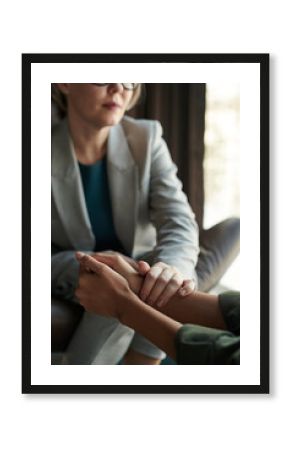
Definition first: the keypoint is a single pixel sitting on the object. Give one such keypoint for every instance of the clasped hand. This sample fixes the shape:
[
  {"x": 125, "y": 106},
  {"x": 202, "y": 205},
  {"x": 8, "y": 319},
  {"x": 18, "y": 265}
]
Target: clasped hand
[{"x": 108, "y": 278}]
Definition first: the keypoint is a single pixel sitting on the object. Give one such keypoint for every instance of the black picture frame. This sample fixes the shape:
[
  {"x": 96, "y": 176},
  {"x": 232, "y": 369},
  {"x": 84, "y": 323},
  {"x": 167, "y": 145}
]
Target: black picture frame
[{"x": 263, "y": 61}]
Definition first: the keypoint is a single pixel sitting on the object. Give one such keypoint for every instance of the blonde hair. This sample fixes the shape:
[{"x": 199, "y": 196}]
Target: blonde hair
[
  {"x": 137, "y": 93},
  {"x": 61, "y": 102}
]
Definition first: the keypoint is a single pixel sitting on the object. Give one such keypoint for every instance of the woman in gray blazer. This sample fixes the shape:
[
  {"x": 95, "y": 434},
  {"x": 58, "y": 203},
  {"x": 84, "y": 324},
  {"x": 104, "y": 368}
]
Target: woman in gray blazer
[{"x": 114, "y": 187}]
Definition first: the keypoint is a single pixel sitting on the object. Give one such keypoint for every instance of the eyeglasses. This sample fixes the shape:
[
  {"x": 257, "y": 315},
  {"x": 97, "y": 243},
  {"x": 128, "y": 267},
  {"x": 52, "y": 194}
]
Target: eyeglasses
[{"x": 127, "y": 86}]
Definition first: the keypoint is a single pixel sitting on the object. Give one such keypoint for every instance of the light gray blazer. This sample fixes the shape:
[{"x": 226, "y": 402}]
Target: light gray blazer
[{"x": 151, "y": 214}]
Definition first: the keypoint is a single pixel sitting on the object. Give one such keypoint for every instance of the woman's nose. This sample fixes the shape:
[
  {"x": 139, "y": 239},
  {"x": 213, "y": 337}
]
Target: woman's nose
[{"x": 115, "y": 87}]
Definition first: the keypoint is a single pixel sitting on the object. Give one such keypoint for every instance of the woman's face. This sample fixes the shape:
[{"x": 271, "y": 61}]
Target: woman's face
[{"x": 98, "y": 106}]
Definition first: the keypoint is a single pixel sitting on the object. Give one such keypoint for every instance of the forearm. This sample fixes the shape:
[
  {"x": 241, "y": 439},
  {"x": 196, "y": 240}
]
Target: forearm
[
  {"x": 177, "y": 241},
  {"x": 197, "y": 308},
  {"x": 150, "y": 323}
]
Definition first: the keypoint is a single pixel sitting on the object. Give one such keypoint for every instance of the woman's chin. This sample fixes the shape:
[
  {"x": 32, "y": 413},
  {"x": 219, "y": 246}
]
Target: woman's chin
[{"x": 111, "y": 120}]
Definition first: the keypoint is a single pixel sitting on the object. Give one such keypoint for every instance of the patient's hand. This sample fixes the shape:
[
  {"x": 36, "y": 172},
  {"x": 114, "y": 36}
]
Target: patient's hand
[
  {"x": 129, "y": 260},
  {"x": 125, "y": 266},
  {"x": 102, "y": 290}
]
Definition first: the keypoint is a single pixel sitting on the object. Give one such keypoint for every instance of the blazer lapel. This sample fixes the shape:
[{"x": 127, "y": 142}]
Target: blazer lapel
[
  {"x": 68, "y": 192},
  {"x": 123, "y": 184}
]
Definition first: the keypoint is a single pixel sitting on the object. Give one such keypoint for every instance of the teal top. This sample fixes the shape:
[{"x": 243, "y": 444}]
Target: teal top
[
  {"x": 98, "y": 202},
  {"x": 204, "y": 346}
]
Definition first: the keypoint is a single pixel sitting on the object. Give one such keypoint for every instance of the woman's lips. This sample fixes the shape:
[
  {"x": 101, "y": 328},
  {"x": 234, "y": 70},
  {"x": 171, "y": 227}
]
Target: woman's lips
[{"x": 111, "y": 105}]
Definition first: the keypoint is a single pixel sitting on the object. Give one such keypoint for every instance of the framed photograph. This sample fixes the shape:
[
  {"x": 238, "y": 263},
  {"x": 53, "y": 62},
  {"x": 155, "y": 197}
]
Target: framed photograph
[{"x": 193, "y": 123}]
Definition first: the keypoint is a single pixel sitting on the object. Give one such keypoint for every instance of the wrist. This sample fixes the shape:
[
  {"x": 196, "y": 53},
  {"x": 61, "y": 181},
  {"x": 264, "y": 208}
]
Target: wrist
[{"x": 126, "y": 304}]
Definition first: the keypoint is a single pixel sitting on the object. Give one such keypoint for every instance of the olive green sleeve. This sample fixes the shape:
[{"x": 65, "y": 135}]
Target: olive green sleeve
[
  {"x": 199, "y": 345},
  {"x": 230, "y": 307}
]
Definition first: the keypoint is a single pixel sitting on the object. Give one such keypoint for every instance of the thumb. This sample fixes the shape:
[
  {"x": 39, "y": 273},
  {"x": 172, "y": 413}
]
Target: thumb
[
  {"x": 143, "y": 267},
  {"x": 186, "y": 288}
]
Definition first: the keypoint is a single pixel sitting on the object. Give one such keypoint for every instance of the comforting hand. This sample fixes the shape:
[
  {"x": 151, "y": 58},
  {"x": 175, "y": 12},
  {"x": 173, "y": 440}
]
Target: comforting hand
[
  {"x": 161, "y": 282},
  {"x": 124, "y": 266},
  {"x": 101, "y": 290}
]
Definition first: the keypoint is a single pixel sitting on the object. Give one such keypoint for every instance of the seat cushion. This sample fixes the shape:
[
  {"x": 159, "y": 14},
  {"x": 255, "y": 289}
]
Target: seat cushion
[{"x": 65, "y": 316}]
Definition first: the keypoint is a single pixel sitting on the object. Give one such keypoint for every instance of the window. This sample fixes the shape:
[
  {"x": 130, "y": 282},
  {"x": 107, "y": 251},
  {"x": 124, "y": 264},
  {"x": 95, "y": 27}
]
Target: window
[{"x": 221, "y": 162}]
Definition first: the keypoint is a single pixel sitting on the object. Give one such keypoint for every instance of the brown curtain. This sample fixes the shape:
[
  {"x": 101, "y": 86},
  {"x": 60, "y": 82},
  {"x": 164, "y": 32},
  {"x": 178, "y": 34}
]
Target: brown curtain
[{"x": 181, "y": 110}]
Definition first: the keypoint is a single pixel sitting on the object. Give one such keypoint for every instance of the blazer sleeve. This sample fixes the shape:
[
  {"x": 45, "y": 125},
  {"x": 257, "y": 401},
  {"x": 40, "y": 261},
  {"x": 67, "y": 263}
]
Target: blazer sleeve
[
  {"x": 64, "y": 274},
  {"x": 176, "y": 227}
]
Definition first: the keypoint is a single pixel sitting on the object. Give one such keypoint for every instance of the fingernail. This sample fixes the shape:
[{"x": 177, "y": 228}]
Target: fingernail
[{"x": 80, "y": 255}]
